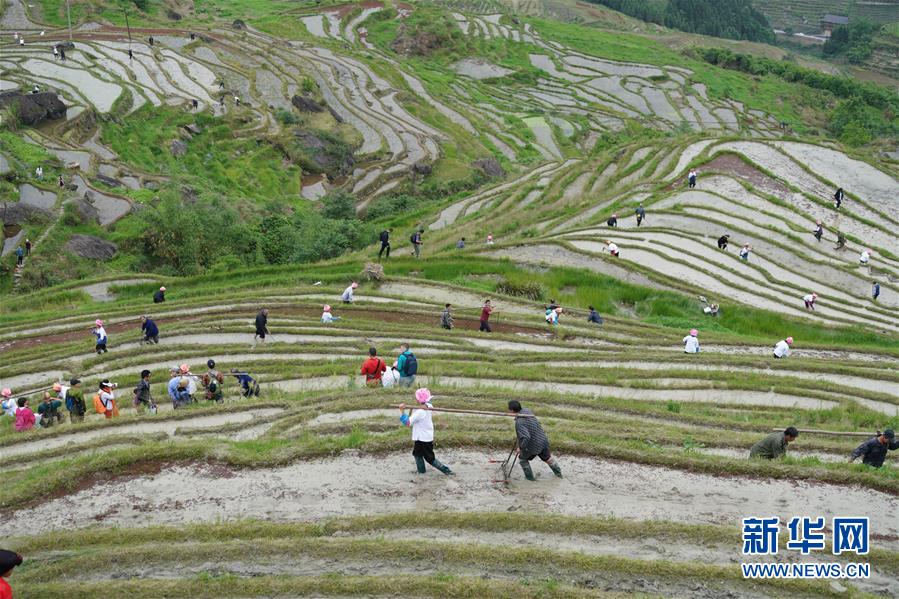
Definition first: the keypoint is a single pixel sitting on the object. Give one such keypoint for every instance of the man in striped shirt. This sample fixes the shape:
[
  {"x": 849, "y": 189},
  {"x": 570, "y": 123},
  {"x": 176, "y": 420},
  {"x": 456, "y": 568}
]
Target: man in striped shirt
[{"x": 532, "y": 441}]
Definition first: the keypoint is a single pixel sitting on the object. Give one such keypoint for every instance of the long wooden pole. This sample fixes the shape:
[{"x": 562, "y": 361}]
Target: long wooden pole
[
  {"x": 477, "y": 412},
  {"x": 810, "y": 431}
]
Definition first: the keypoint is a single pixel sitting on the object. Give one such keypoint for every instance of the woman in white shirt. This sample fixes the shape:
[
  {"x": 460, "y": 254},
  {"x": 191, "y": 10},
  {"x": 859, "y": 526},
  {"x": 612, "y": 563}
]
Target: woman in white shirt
[
  {"x": 691, "y": 342},
  {"x": 327, "y": 317},
  {"x": 422, "y": 432},
  {"x": 348, "y": 296}
]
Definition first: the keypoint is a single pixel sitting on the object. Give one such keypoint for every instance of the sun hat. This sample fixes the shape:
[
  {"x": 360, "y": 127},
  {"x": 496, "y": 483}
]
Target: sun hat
[
  {"x": 57, "y": 387},
  {"x": 98, "y": 322},
  {"x": 185, "y": 368},
  {"x": 423, "y": 395},
  {"x": 694, "y": 332},
  {"x": 354, "y": 285},
  {"x": 326, "y": 308},
  {"x": 162, "y": 288},
  {"x": 6, "y": 393},
  {"x": 789, "y": 340}
]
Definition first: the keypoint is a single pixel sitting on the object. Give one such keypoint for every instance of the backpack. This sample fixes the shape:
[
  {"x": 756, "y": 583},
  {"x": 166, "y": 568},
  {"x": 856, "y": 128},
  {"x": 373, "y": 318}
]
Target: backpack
[
  {"x": 410, "y": 368},
  {"x": 98, "y": 404},
  {"x": 412, "y": 238},
  {"x": 384, "y": 236}
]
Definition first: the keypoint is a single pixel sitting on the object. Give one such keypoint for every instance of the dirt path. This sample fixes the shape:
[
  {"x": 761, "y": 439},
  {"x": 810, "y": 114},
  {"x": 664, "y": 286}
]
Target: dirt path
[
  {"x": 347, "y": 485},
  {"x": 151, "y": 426}
]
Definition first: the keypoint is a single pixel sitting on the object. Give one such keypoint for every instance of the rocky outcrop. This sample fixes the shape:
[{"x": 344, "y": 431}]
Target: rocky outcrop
[
  {"x": 490, "y": 167},
  {"x": 17, "y": 213},
  {"x": 94, "y": 248},
  {"x": 412, "y": 41},
  {"x": 179, "y": 148},
  {"x": 174, "y": 16},
  {"x": 84, "y": 208},
  {"x": 33, "y": 109},
  {"x": 319, "y": 152},
  {"x": 239, "y": 25},
  {"x": 422, "y": 168},
  {"x": 304, "y": 104}
]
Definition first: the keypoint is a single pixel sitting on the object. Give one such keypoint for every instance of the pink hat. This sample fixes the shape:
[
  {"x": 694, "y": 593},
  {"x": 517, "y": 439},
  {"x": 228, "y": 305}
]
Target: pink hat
[
  {"x": 326, "y": 308},
  {"x": 57, "y": 387},
  {"x": 694, "y": 332},
  {"x": 98, "y": 322},
  {"x": 162, "y": 288},
  {"x": 354, "y": 285},
  {"x": 423, "y": 395},
  {"x": 789, "y": 340},
  {"x": 6, "y": 393},
  {"x": 185, "y": 368}
]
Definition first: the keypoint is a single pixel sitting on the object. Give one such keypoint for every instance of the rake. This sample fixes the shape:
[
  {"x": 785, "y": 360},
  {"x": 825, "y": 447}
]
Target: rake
[{"x": 505, "y": 467}]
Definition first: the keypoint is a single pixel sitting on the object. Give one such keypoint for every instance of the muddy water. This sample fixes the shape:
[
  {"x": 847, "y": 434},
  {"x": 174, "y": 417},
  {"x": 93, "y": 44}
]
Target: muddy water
[
  {"x": 31, "y": 195},
  {"x": 165, "y": 426},
  {"x": 348, "y": 485}
]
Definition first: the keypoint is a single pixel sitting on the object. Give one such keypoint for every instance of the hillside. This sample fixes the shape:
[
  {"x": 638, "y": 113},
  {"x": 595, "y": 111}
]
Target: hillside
[
  {"x": 805, "y": 15},
  {"x": 248, "y": 158}
]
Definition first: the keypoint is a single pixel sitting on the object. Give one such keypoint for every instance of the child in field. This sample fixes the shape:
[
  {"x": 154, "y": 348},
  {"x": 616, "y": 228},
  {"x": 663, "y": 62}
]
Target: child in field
[
  {"x": 102, "y": 339},
  {"x": 422, "y": 432},
  {"x": 24, "y": 416}
]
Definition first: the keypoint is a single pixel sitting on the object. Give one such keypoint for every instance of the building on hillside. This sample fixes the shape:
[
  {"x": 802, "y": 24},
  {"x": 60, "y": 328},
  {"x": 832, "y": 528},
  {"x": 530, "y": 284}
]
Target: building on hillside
[{"x": 829, "y": 22}]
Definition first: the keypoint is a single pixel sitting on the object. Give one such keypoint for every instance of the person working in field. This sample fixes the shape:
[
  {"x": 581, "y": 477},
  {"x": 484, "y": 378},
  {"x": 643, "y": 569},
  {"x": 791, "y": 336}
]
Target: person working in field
[
  {"x": 532, "y": 441},
  {"x": 774, "y": 445},
  {"x": 874, "y": 451},
  {"x": 446, "y": 319},
  {"x": 49, "y": 410},
  {"x": 248, "y": 385},
  {"x": 373, "y": 368},
  {"x": 261, "y": 325},
  {"x": 149, "y": 330},
  {"x": 422, "y": 433},
  {"x": 782, "y": 348},
  {"x": 486, "y": 311}
]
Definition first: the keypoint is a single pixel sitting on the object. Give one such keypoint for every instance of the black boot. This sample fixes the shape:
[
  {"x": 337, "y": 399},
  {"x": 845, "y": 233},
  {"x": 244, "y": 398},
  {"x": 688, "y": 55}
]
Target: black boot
[
  {"x": 526, "y": 467},
  {"x": 420, "y": 464},
  {"x": 442, "y": 467}
]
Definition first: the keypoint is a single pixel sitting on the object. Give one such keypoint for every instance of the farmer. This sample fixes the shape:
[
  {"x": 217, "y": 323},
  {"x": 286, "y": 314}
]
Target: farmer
[
  {"x": 20, "y": 256},
  {"x": 691, "y": 178},
  {"x": 552, "y": 316},
  {"x": 613, "y": 248},
  {"x": 865, "y": 256},
  {"x": 810, "y": 301},
  {"x": 532, "y": 441},
  {"x": 149, "y": 330},
  {"x": 373, "y": 368},
  {"x": 24, "y": 416},
  {"x": 782, "y": 349},
  {"x": 347, "y": 297},
  {"x": 8, "y": 561},
  {"x": 261, "y": 325},
  {"x": 613, "y": 221},
  {"x": 711, "y": 310},
  {"x": 248, "y": 385},
  {"x": 486, "y": 311},
  {"x": 874, "y": 451},
  {"x": 841, "y": 241},
  {"x": 327, "y": 317},
  {"x": 212, "y": 383},
  {"x": 8, "y": 404},
  {"x": 62, "y": 55},
  {"x": 774, "y": 445},
  {"x": 159, "y": 296},
  {"x": 49, "y": 410},
  {"x": 172, "y": 387},
  {"x": 594, "y": 316},
  {"x": 105, "y": 403},
  {"x": 460, "y": 245},
  {"x": 28, "y": 241},
  {"x": 182, "y": 393},
  {"x": 385, "y": 242},
  {"x": 490, "y": 239},
  {"x": 875, "y": 290},
  {"x": 446, "y": 319},
  {"x": 641, "y": 214},
  {"x": 130, "y": 54},
  {"x": 406, "y": 365},
  {"x": 691, "y": 342},
  {"x": 819, "y": 230},
  {"x": 75, "y": 402},
  {"x": 415, "y": 239},
  {"x": 744, "y": 252},
  {"x": 142, "y": 398},
  {"x": 838, "y": 196},
  {"x": 722, "y": 242},
  {"x": 102, "y": 339},
  {"x": 422, "y": 432},
  {"x": 184, "y": 369},
  {"x": 55, "y": 52}
]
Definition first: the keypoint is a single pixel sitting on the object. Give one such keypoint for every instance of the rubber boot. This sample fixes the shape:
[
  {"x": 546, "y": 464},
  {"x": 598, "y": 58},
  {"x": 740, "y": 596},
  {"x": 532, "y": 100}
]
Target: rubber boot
[
  {"x": 420, "y": 464},
  {"x": 526, "y": 467},
  {"x": 442, "y": 467},
  {"x": 554, "y": 466}
]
